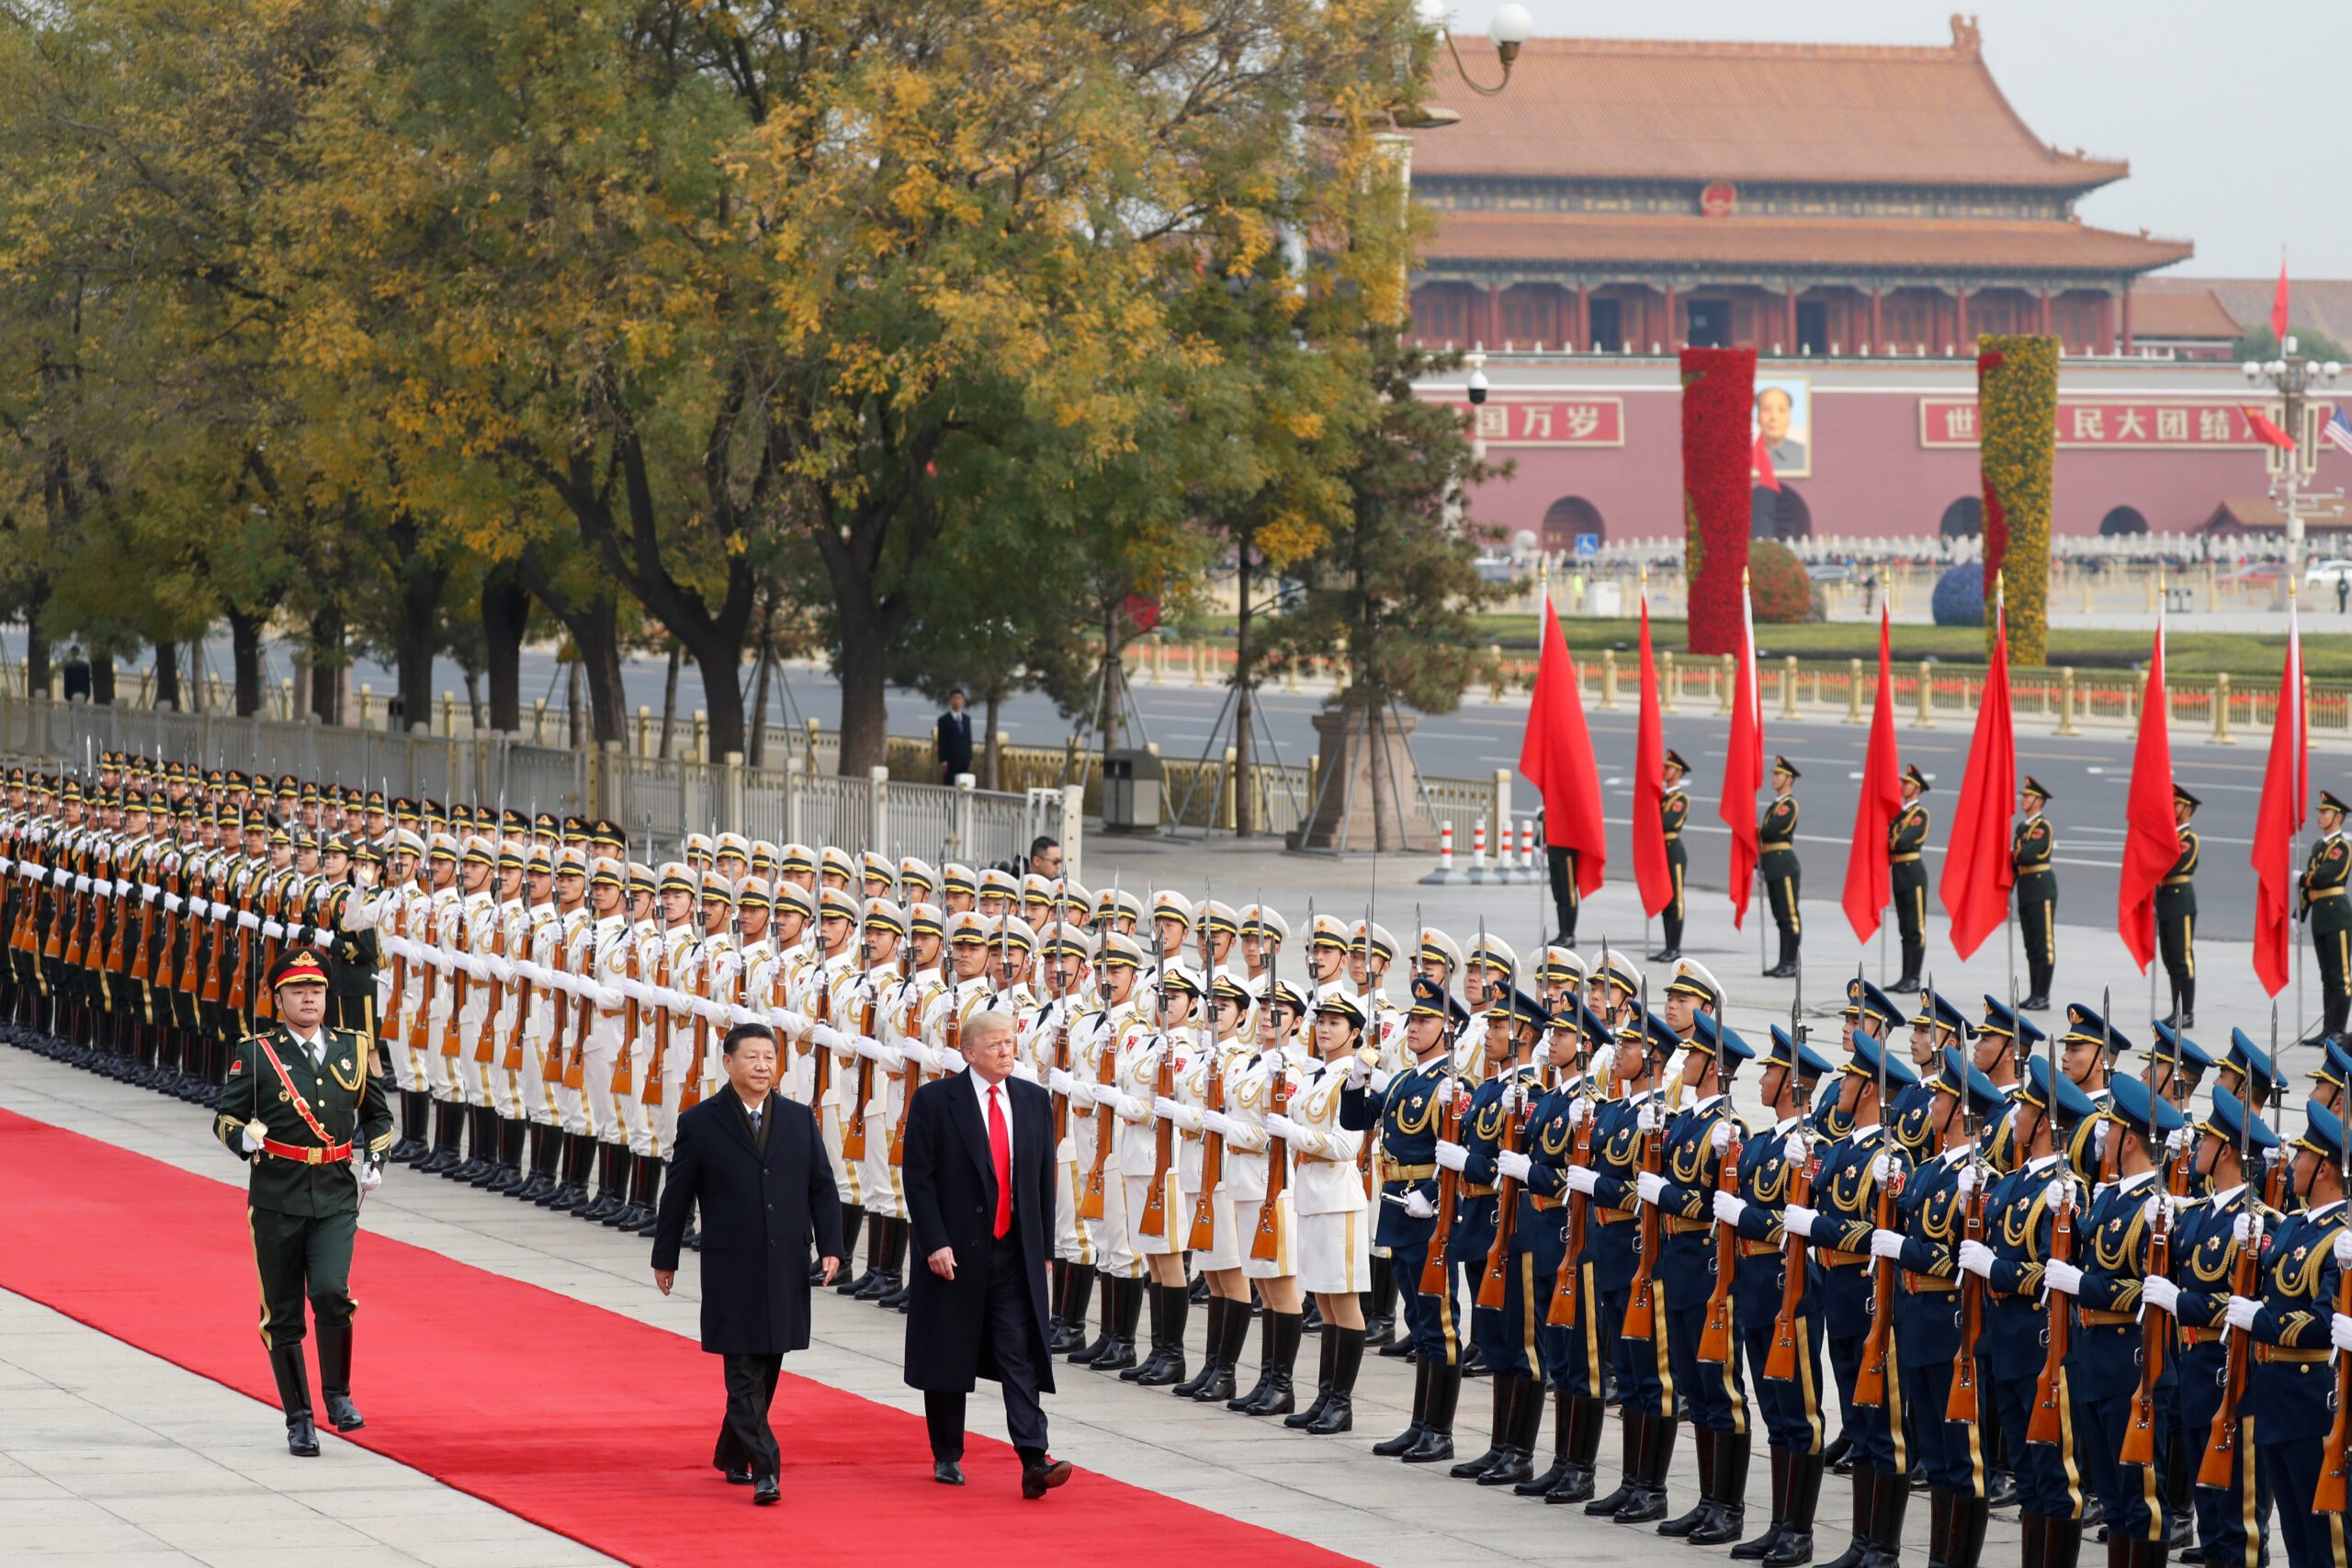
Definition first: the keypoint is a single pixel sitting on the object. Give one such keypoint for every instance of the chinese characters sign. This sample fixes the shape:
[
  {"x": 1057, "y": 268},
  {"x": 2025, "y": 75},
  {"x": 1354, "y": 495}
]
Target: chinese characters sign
[
  {"x": 2103, "y": 422},
  {"x": 1538, "y": 420}
]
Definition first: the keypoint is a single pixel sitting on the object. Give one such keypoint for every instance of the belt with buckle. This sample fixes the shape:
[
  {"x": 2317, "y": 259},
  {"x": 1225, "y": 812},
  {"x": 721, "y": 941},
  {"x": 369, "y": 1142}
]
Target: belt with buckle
[
  {"x": 1412, "y": 1172},
  {"x": 1472, "y": 1189},
  {"x": 2190, "y": 1334},
  {"x": 2175, "y": 882},
  {"x": 1903, "y": 860},
  {"x": 1542, "y": 1205},
  {"x": 1749, "y": 1248},
  {"x": 2091, "y": 1317},
  {"x": 1927, "y": 1284},
  {"x": 2038, "y": 865},
  {"x": 1837, "y": 1259},
  {"x": 1677, "y": 1225},
  {"x": 2326, "y": 893},
  {"x": 1609, "y": 1216},
  {"x": 306, "y": 1154},
  {"x": 2274, "y": 1353}
]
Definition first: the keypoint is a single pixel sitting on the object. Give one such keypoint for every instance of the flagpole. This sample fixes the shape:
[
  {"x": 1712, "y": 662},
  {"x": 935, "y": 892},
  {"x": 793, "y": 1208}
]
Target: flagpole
[{"x": 2296, "y": 738}]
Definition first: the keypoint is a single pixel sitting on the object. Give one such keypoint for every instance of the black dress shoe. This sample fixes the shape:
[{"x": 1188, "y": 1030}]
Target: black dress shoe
[
  {"x": 301, "y": 1437},
  {"x": 1036, "y": 1480},
  {"x": 766, "y": 1491},
  {"x": 740, "y": 1476},
  {"x": 1668, "y": 956},
  {"x": 342, "y": 1412},
  {"x": 947, "y": 1473},
  {"x": 2036, "y": 1003}
]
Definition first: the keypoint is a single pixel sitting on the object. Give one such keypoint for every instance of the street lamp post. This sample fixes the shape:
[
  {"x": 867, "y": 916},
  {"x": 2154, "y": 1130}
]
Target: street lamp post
[{"x": 2293, "y": 378}]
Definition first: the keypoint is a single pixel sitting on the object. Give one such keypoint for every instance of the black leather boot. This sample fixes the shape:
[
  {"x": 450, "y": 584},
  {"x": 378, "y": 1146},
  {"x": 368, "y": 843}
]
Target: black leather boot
[
  {"x": 1190, "y": 1387},
  {"x": 1280, "y": 1395},
  {"x": 294, "y": 1398},
  {"x": 1965, "y": 1549},
  {"x": 880, "y": 1227},
  {"x": 1887, "y": 1520},
  {"x": 631, "y": 1213},
  {"x": 1497, "y": 1435},
  {"x": 1524, "y": 1420},
  {"x": 334, "y": 1377},
  {"x": 1587, "y": 1417},
  {"x": 1078, "y": 1294},
  {"x": 512, "y": 1172},
  {"x": 1340, "y": 1410},
  {"x": 1728, "y": 1495},
  {"x": 489, "y": 1147},
  {"x": 1403, "y": 1441},
  {"x": 1794, "y": 1547},
  {"x": 1380, "y": 1305},
  {"x": 1630, "y": 1428},
  {"x": 611, "y": 1184},
  {"x": 1083, "y": 1355},
  {"x": 1219, "y": 1389},
  {"x": 894, "y": 1267},
  {"x": 411, "y": 1144},
  {"x": 535, "y": 1173},
  {"x": 1437, "y": 1426},
  {"x": 1265, "y": 1364},
  {"x": 1122, "y": 1352},
  {"x": 579, "y": 1161},
  {"x": 444, "y": 1155},
  {"x": 1544, "y": 1480},
  {"x": 1865, "y": 1502},
  {"x": 476, "y": 1158},
  {"x": 1157, "y": 1350},
  {"x": 1303, "y": 1419},
  {"x": 649, "y": 1203},
  {"x": 1754, "y": 1551},
  {"x": 1176, "y": 1302},
  {"x": 1657, "y": 1455},
  {"x": 1683, "y": 1524}
]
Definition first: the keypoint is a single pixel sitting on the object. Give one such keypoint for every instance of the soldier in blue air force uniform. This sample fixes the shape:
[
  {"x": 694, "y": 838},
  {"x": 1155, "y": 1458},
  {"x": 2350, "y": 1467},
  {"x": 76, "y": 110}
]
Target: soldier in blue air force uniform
[{"x": 1612, "y": 1241}]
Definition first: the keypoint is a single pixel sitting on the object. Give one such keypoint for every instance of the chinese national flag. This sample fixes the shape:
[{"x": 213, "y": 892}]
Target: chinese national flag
[
  {"x": 2268, "y": 429},
  {"x": 2278, "y": 308},
  {"x": 1744, "y": 764},
  {"x": 2151, "y": 844},
  {"x": 1557, "y": 758},
  {"x": 2285, "y": 790},
  {"x": 1978, "y": 873},
  {"x": 1870, "y": 877},
  {"x": 1653, "y": 873}
]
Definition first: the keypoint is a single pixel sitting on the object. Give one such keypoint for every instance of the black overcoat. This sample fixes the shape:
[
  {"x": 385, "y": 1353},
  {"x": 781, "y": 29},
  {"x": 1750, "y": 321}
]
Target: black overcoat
[
  {"x": 761, "y": 1206},
  {"x": 951, "y": 1202}
]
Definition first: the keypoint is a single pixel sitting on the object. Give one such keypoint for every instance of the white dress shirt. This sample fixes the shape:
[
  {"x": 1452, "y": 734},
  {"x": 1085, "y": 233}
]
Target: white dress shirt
[{"x": 980, "y": 1087}]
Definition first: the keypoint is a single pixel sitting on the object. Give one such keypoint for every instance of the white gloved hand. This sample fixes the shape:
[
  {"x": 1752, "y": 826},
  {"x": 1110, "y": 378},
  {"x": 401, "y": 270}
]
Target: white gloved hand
[
  {"x": 1025, "y": 1072},
  {"x": 1965, "y": 1182},
  {"x": 364, "y": 875},
  {"x": 1217, "y": 1122},
  {"x": 1282, "y": 1128},
  {"x": 2339, "y": 1332},
  {"x": 1380, "y": 1080},
  {"x": 272, "y": 930},
  {"x": 831, "y": 1039},
  {"x": 149, "y": 895},
  {"x": 1886, "y": 1244},
  {"x": 1084, "y": 1095},
  {"x": 320, "y": 939},
  {"x": 1061, "y": 1083},
  {"x": 246, "y": 1137},
  {"x": 81, "y": 885},
  {"x": 2158, "y": 1206},
  {"x": 2161, "y": 1293},
  {"x": 372, "y": 1178},
  {"x": 870, "y": 1048},
  {"x": 248, "y": 920},
  {"x": 2175, "y": 1141},
  {"x": 2059, "y": 1193},
  {"x": 1730, "y": 1209},
  {"x": 1579, "y": 1110},
  {"x": 1650, "y": 1185},
  {"x": 2242, "y": 1312},
  {"x": 891, "y": 1057},
  {"x": 1513, "y": 1164},
  {"x": 1451, "y": 1157},
  {"x": 1583, "y": 1179},
  {"x": 173, "y": 903},
  {"x": 1881, "y": 1168},
  {"x": 1720, "y": 1139},
  {"x": 1647, "y": 1120},
  {"x": 1976, "y": 1258},
  {"x": 1417, "y": 1205},
  {"x": 2064, "y": 1278},
  {"x": 2344, "y": 1249},
  {"x": 1359, "y": 1071},
  {"x": 121, "y": 888},
  {"x": 2242, "y": 1229},
  {"x": 1445, "y": 1087},
  {"x": 1800, "y": 1219}
]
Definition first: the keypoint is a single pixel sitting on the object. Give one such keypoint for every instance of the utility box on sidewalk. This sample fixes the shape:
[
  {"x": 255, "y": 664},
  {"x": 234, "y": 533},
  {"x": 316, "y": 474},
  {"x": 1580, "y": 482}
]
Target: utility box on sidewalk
[{"x": 1131, "y": 792}]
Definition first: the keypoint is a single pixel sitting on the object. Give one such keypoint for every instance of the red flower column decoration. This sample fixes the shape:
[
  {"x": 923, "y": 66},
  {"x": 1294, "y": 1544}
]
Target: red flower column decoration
[{"x": 1718, "y": 399}]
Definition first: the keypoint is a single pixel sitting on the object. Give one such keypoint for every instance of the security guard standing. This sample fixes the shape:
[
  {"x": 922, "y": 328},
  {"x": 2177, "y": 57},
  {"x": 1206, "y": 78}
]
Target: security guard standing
[
  {"x": 2031, "y": 845},
  {"x": 300, "y": 1106},
  {"x": 1777, "y": 836},
  {"x": 2330, "y": 910},
  {"x": 1674, "y": 810},
  {"x": 1907, "y": 842}
]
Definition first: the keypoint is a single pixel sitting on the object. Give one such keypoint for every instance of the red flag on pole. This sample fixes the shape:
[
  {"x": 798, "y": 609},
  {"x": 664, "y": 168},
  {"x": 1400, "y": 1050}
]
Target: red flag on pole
[
  {"x": 1744, "y": 763},
  {"x": 2150, "y": 842},
  {"x": 1978, "y": 874},
  {"x": 2279, "y": 308},
  {"x": 1653, "y": 873},
  {"x": 2285, "y": 790},
  {"x": 1557, "y": 758},
  {"x": 1759, "y": 465},
  {"x": 1870, "y": 876},
  {"x": 2268, "y": 431}
]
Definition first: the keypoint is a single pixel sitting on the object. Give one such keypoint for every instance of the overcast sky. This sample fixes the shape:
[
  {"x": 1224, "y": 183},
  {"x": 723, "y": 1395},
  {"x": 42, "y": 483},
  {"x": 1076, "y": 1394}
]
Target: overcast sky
[{"x": 2171, "y": 85}]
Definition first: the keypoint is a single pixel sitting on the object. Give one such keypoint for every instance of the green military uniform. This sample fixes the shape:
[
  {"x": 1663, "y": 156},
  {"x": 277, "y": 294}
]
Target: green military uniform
[
  {"x": 1673, "y": 811},
  {"x": 351, "y": 969},
  {"x": 1777, "y": 836},
  {"x": 2032, "y": 847},
  {"x": 1907, "y": 842},
  {"x": 2330, "y": 910},
  {"x": 316, "y": 1119},
  {"x": 2177, "y": 919}
]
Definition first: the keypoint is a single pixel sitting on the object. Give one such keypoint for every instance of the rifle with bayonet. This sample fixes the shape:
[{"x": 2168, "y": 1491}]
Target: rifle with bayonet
[
  {"x": 1870, "y": 1381},
  {"x": 2046, "y": 1422}
]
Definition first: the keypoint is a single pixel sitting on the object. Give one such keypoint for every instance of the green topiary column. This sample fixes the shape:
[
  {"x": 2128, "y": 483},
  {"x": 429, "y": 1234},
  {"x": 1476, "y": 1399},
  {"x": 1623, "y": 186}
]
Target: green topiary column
[{"x": 2017, "y": 421}]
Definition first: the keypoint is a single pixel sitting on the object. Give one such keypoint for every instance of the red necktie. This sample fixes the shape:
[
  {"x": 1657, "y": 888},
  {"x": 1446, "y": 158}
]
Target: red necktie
[{"x": 1001, "y": 1156}]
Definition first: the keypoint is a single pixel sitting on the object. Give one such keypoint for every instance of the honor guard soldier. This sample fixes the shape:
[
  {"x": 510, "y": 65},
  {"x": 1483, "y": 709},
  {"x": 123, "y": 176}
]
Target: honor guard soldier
[
  {"x": 2331, "y": 1078},
  {"x": 1097, "y": 1042},
  {"x": 1698, "y": 1138},
  {"x": 2231, "y": 1150},
  {"x": 1673, "y": 811},
  {"x": 1930, "y": 1224},
  {"x": 1936, "y": 1028},
  {"x": 2011, "y": 1260},
  {"x": 2178, "y": 1066},
  {"x": 2330, "y": 912},
  {"x": 1406, "y": 1108},
  {"x": 2292, "y": 1324},
  {"x": 2032, "y": 847},
  {"x": 2176, "y": 912},
  {"x": 1838, "y": 1224},
  {"x": 1776, "y": 836},
  {"x": 1256, "y": 1172},
  {"x": 2117, "y": 1250},
  {"x": 1907, "y": 842},
  {"x": 302, "y": 1108},
  {"x": 2247, "y": 1072},
  {"x": 1774, "y": 1166}
]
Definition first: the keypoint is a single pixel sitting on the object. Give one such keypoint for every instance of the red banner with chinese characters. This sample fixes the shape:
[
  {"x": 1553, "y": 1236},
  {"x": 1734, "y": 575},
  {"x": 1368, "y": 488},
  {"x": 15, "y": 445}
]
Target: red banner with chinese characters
[
  {"x": 1539, "y": 420},
  {"x": 2156, "y": 423}
]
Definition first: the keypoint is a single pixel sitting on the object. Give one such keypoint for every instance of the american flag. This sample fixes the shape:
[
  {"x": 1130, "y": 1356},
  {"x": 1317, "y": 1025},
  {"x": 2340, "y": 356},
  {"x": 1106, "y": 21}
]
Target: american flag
[{"x": 2337, "y": 430}]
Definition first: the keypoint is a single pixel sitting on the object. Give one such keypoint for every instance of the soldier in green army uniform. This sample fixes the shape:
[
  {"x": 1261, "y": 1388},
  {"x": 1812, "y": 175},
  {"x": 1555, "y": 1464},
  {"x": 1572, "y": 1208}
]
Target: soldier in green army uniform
[
  {"x": 351, "y": 954},
  {"x": 2177, "y": 913},
  {"x": 1906, "y": 841},
  {"x": 2031, "y": 846},
  {"x": 300, "y": 1107},
  {"x": 1673, "y": 811},
  {"x": 1777, "y": 835},
  {"x": 2330, "y": 911}
]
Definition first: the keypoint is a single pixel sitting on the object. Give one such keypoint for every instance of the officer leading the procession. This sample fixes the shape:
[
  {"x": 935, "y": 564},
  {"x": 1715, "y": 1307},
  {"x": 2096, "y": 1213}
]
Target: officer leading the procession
[{"x": 301, "y": 1108}]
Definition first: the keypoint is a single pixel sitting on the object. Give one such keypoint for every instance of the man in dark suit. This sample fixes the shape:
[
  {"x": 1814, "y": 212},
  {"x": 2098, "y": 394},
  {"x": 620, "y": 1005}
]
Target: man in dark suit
[
  {"x": 979, "y": 1185},
  {"x": 955, "y": 738},
  {"x": 753, "y": 1160}
]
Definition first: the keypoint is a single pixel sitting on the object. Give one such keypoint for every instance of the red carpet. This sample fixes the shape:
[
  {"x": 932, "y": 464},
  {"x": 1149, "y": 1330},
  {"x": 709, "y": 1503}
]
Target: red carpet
[{"x": 589, "y": 1424}]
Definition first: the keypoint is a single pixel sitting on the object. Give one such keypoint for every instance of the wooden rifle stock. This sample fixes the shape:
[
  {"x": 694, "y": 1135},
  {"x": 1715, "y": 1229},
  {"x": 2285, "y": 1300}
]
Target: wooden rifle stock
[
  {"x": 1434, "y": 1271},
  {"x": 1870, "y": 1379},
  {"x": 1714, "y": 1338},
  {"x": 576, "y": 1068},
  {"x": 486, "y": 1049},
  {"x": 458, "y": 979},
  {"x": 1570, "y": 1278},
  {"x": 625, "y": 1059},
  {"x": 854, "y": 1130},
  {"x": 1641, "y": 1310},
  {"x": 237, "y": 988},
  {"x": 1090, "y": 1202},
  {"x": 2046, "y": 1422},
  {"x": 914, "y": 1079},
  {"x": 822, "y": 1075},
  {"x": 1267, "y": 1244},
  {"x": 1153, "y": 1220},
  {"x": 118, "y": 929},
  {"x": 2328, "y": 1497},
  {"x": 1204, "y": 1235},
  {"x": 218, "y": 954},
  {"x": 1495, "y": 1282},
  {"x": 1781, "y": 1362},
  {"x": 1061, "y": 1062},
  {"x": 2222, "y": 1441},
  {"x": 1963, "y": 1404},
  {"x": 2139, "y": 1445},
  {"x": 524, "y": 997},
  {"x": 400, "y": 967},
  {"x": 141, "y": 963}
]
